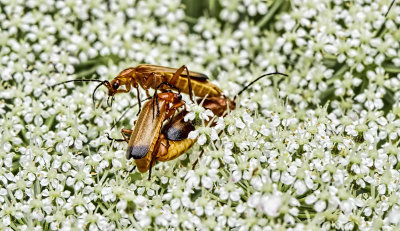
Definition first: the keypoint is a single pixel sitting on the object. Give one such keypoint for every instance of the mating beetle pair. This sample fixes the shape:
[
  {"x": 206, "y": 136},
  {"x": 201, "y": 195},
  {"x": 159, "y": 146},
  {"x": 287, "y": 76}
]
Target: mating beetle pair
[{"x": 150, "y": 140}]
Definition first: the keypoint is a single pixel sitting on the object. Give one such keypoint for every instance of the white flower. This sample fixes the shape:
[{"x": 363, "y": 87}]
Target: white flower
[
  {"x": 230, "y": 191},
  {"x": 394, "y": 216},
  {"x": 271, "y": 204},
  {"x": 326, "y": 134}
]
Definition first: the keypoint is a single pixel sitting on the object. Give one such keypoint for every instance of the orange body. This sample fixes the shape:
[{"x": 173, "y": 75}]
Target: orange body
[
  {"x": 147, "y": 144},
  {"x": 165, "y": 151},
  {"x": 143, "y": 165},
  {"x": 218, "y": 105},
  {"x": 151, "y": 76},
  {"x": 172, "y": 140},
  {"x": 169, "y": 149},
  {"x": 144, "y": 137}
]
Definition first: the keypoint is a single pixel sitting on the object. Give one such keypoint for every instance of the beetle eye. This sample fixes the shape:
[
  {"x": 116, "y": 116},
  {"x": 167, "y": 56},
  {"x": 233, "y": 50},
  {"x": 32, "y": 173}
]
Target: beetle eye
[
  {"x": 179, "y": 96},
  {"x": 115, "y": 85}
]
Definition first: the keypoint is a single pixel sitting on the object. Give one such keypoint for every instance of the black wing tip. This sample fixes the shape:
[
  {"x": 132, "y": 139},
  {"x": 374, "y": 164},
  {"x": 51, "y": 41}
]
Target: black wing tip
[
  {"x": 137, "y": 152},
  {"x": 203, "y": 75},
  {"x": 178, "y": 134},
  {"x": 196, "y": 75}
]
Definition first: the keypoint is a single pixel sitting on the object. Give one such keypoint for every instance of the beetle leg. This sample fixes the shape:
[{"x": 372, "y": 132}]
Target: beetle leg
[
  {"x": 158, "y": 107},
  {"x": 108, "y": 98},
  {"x": 162, "y": 147},
  {"x": 176, "y": 76},
  {"x": 172, "y": 110},
  {"x": 197, "y": 160},
  {"x": 122, "y": 91},
  {"x": 134, "y": 167},
  {"x": 140, "y": 104},
  {"x": 156, "y": 98},
  {"x": 151, "y": 165},
  {"x": 112, "y": 100},
  {"x": 149, "y": 80},
  {"x": 126, "y": 90},
  {"x": 123, "y": 131},
  {"x": 126, "y": 131},
  {"x": 190, "y": 85},
  {"x": 112, "y": 139},
  {"x": 164, "y": 142},
  {"x": 155, "y": 101}
]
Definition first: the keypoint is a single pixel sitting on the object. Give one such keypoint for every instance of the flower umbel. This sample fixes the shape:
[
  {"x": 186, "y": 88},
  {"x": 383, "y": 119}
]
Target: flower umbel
[{"x": 318, "y": 149}]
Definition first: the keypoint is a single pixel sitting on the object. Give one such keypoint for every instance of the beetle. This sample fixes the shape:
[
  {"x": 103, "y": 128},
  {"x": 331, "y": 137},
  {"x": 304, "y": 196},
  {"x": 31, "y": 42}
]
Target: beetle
[
  {"x": 152, "y": 76},
  {"x": 156, "y": 77},
  {"x": 172, "y": 142},
  {"x": 145, "y": 145},
  {"x": 149, "y": 142}
]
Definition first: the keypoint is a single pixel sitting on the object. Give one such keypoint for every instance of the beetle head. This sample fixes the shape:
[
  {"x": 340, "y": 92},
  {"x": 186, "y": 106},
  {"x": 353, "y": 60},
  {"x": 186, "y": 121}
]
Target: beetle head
[
  {"x": 178, "y": 97},
  {"x": 113, "y": 86}
]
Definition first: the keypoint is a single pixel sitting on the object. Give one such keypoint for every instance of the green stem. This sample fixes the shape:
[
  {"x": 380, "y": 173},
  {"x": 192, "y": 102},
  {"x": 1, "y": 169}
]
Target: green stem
[
  {"x": 270, "y": 13},
  {"x": 305, "y": 216},
  {"x": 338, "y": 74},
  {"x": 50, "y": 121},
  {"x": 190, "y": 19},
  {"x": 215, "y": 197},
  {"x": 391, "y": 68},
  {"x": 86, "y": 72},
  {"x": 213, "y": 7}
]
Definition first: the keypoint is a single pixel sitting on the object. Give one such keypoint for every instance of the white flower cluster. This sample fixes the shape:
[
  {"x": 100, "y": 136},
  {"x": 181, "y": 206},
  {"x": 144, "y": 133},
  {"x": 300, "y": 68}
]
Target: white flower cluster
[{"x": 318, "y": 149}]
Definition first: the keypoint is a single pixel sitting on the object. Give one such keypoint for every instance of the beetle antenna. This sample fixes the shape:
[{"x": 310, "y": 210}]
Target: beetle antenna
[
  {"x": 100, "y": 84},
  {"x": 108, "y": 101},
  {"x": 390, "y": 7},
  {"x": 252, "y": 82},
  {"x": 75, "y": 80}
]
